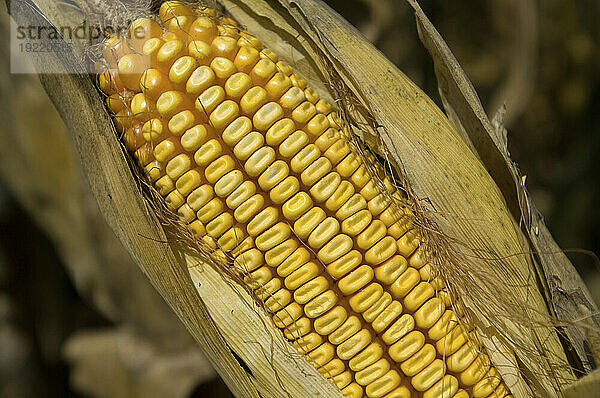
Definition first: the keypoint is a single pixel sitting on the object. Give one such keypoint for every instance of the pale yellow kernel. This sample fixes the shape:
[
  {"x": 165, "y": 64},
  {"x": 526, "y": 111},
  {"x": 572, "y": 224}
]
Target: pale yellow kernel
[
  {"x": 212, "y": 209},
  {"x": 291, "y": 98},
  {"x": 174, "y": 200},
  {"x": 279, "y": 131},
  {"x": 429, "y": 313},
  {"x": 372, "y": 353},
  {"x": 391, "y": 269},
  {"x": 193, "y": 138},
  {"x": 383, "y": 385},
  {"x": 180, "y": 122},
  {"x": 407, "y": 346},
  {"x": 267, "y": 115},
  {"x": 201, "y": 51},
  {"x": 246, "y": 58},
  {"x": 356, "y": 223},
  {"x": 200, "y": 197},
  {"x": 243, "y": 192},
  {"x": 381, "y": 251},
  {"x": 325, "y": 187},
  {"x": 405, "y": 283},
  {"x": 276, "y": 255},
  {"x": 273, "y": 175},
  {"x": 170, "y": 102},
  {"x": 218, "y": 168},
  {"x": 228, "y": 183},
  {"x": 418, "y": 295},
  {"x": 349, "y": 328},
  {"x": 223, "y": 67},
  {"x": 429, "y": 376},
  {"x": 311, "y": 289},
  {"x": 258, "y": 162},
  {"x": 321, "y": 355},
  {"x": 330, "y": 321},
  {"x": 224, "y": 46},
  {"x": 165, "y": 150},
  {"x": 398, "y": 329},
  {"x": 182, "y": 69},
  {"x": 321, "y": 304},
  {"x": 303, "y": 113},
  {"x": 355, "y": 280},
  {"x": 249, "y": 260},
  {"x": 418, "y": 361},
  {"x": 209, "y": 99},
  {"x": 445, "y": 388},
  {"x": 298, "y": 258},
  {"x": 208, "y": 152},
  {"x": 297, "y": 206},
  {"x": 219, "y": 225},
  {"x": 343, "y": 192},
  {"x": 301, "y": 327},
  {"x": 178, "y": 165},
  {"x": 309, "y": 342},
  {"x": 304, "y": 158},
  {"x": 335, "y": 248},
  {"x": 237, "y": 130},
  {"x": 379, "y": 307},
  {"x": 354, "y": 344},
  {"x": 278, "y": 85},
  {"x": 164, "y": 185},
  {"x": 224, "y": 114},
  {"x": 201, "y": 78},
  {"x": 188, "y": 182},
  {"x": 308, "y": 222},
  {"x": 342, "y": 380},
  {"x": 254, "y": 98},
  {"x": 372, "y": 372},
  {"x": 315, "y": 171},
  {"x": 262, "y": 221},
  {"x": 292, "y": 144},
  {"x": 371, "y": 235},
  {"x": 152, "y": 130},
  {"x": 273, "y": 236},
  {"x": 346, "y": 263},
  {"x": 263, "y": 71},
  {"x": 237, "y": 85},
  {"x": 366, "y": 297},
  {"x": 354, "y": 204},
  {"x": 326, "y": 230},
  {"x": 169, "y": 53},
  {"x": 288, "y": 315},
  {"x": 462, "y": 358},
  {"x": 301, "y": 275},
  {"x": 284, "y": 190}
]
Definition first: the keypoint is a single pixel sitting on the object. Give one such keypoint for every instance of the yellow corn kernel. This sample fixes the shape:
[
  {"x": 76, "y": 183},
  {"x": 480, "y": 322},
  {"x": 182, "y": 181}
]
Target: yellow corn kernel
[{"x": 267, "y": 175}]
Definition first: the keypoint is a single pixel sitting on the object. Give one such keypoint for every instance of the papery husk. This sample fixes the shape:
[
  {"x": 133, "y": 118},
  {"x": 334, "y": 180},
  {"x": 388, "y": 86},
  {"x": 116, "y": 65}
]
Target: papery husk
[{"x": 467, "y": 214}]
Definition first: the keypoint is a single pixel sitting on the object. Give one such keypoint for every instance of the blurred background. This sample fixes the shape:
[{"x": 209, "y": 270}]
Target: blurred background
[{"x": 77, "y": 318}]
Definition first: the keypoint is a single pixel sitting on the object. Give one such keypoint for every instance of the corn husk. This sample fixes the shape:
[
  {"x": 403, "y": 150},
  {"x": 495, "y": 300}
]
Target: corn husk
[{"x": 458, "y": 170}]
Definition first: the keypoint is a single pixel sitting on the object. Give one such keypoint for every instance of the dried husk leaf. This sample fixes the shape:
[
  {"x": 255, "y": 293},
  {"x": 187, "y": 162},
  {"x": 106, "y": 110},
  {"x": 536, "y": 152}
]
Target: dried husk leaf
[
  {"x": 434, "y": 160},
  {"x": 567, "y": 296}
]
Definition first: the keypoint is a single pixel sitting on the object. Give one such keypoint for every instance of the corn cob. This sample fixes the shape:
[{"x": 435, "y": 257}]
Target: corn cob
[{"x": 263, "y": 171}]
